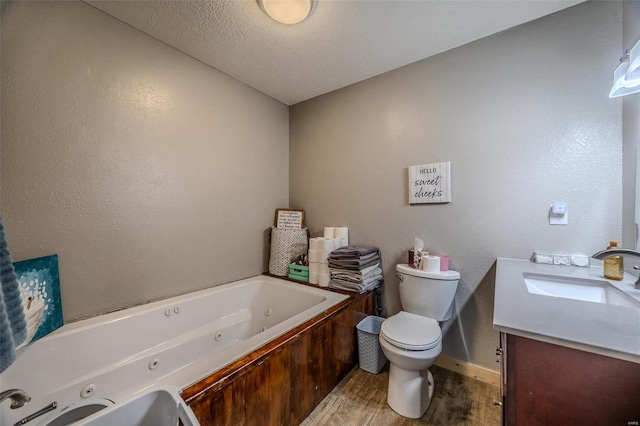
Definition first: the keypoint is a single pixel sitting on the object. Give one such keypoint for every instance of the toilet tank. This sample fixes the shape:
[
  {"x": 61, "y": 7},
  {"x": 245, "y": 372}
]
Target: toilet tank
[{"x": 429, "y": 294}]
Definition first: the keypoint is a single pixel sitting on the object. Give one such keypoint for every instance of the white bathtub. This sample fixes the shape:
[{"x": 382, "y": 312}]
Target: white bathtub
[{"x": 176, "y": 341}]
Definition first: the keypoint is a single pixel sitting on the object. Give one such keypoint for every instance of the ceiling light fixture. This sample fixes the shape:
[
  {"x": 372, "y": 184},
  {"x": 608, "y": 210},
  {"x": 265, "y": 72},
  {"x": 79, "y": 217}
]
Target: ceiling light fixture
[{"x": 287, "y": 11}]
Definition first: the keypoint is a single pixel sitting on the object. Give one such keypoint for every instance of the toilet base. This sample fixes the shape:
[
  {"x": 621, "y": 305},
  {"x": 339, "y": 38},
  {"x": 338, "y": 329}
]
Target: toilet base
[{"x": 409, "y": 392}]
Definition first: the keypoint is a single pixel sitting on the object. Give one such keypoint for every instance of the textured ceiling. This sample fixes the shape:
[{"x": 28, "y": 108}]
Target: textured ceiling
[{"x": 341, "y": 43}]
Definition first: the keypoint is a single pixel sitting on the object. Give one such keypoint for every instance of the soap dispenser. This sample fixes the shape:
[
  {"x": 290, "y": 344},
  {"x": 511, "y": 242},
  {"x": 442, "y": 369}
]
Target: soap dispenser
[{"x": 613, "y": 267}]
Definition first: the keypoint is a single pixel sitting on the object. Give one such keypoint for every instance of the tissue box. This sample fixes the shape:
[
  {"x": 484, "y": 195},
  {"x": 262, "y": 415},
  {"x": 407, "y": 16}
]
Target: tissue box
[{"x": 299, "y": 272}]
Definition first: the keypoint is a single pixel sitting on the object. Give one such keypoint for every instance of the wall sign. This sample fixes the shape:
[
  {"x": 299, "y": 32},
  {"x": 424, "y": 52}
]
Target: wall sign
[
  {"x": 289, "y": 219},
  {"x": 430, "y": 183}
]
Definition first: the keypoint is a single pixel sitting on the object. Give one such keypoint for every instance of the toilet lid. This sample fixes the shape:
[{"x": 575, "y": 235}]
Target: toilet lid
[{"x": 410, "y": 331}]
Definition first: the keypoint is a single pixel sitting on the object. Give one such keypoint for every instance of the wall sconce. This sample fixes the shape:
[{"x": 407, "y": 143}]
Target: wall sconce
[
  {"x": 287, "y": 11},
  {"x": 626, "y": 77}
]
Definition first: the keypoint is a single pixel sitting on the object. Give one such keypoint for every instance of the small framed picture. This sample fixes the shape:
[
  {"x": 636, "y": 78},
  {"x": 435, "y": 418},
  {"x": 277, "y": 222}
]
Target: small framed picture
[
  {"x": 39, "y": 286},
  {"x": 289, "y": 219},
  {"x": 430, "y": 183}
]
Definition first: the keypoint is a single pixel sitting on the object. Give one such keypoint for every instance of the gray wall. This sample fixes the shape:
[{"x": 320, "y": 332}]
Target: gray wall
[
  {"x": 149, "y": 173},
  {"x": 525, "y": 119}
]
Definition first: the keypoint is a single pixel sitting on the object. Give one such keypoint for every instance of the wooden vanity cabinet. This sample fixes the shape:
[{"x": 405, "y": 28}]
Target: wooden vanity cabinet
[{"x": 546, "y": 384}]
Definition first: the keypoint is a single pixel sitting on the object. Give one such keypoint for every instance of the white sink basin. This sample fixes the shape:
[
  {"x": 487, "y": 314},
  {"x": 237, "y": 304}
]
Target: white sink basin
[{"x": 587, "y": 290}]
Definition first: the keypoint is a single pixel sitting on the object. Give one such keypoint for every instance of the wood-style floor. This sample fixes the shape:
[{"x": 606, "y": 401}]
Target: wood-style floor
[{"x": 361, "y": 399}]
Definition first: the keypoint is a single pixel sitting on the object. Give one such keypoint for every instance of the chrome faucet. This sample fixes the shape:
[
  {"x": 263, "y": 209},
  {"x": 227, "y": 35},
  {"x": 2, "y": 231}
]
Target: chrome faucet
[
  {"x": 617, "y": 252},
  {"x": 19, "y": 398}
]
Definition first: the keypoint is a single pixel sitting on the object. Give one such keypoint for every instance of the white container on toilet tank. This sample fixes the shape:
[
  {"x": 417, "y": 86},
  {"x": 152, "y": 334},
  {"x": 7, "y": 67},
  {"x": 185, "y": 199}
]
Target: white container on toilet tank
[{"x": 412, "y": 339}]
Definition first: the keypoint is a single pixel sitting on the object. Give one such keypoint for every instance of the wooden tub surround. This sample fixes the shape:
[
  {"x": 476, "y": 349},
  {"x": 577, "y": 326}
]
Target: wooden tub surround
[{"x": 283, "y": 381}]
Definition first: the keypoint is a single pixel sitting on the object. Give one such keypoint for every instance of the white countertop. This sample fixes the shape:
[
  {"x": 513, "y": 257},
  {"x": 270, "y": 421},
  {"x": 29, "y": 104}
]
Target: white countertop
[{"x": 605, "y": 329}]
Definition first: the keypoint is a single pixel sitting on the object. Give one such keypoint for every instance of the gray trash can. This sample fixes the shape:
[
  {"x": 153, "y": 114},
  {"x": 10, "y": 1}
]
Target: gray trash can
[{"x": 372, "y": 358}]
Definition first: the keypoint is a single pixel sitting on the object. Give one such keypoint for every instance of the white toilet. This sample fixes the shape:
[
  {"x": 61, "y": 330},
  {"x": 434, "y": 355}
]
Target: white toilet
[{"x": 412, "y": 340}]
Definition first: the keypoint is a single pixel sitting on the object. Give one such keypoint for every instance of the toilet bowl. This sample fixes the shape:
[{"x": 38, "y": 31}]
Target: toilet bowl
[
  {"x": 411, "y": 343},
  {"x": 412, "y": 340}
]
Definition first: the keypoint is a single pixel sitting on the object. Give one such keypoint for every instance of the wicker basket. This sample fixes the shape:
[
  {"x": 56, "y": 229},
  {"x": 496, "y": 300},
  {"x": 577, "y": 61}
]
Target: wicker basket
[{"x": 286, "y": 246}]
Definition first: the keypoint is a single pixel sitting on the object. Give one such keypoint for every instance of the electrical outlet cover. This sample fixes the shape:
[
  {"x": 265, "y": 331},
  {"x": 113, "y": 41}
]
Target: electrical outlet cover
[{"x": 558, "y": 219}]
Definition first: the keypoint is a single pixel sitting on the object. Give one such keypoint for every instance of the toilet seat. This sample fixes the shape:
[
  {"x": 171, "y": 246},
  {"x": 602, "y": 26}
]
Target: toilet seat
[{"x": 411, "y": 332}]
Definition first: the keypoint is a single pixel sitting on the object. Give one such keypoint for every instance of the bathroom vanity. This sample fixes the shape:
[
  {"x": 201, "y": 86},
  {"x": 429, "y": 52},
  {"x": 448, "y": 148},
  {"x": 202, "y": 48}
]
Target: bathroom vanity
[{"x": 569, "y": 345}]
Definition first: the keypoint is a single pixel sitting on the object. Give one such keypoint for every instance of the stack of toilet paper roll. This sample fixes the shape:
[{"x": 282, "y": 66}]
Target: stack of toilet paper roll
[
  {"x": 319, "y": 250},
  {"x": 337, "y": 233}
]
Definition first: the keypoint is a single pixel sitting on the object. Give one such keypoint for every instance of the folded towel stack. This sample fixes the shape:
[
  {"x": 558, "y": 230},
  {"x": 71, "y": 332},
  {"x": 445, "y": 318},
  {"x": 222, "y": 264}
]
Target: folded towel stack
[{"x": 355, "y": 268}]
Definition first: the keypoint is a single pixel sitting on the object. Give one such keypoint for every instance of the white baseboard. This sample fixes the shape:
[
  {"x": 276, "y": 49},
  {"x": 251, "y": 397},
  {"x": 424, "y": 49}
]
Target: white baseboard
[{"x": 470, "y": 370}]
